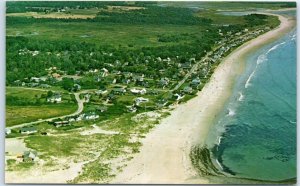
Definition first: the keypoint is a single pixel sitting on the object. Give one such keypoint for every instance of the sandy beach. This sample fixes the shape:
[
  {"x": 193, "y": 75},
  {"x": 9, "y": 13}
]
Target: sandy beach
[{"x": 164, "y": 156}]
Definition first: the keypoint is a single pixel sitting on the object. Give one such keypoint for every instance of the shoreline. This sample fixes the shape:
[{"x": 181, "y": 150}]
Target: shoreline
[{"x": 164, "y": 156}]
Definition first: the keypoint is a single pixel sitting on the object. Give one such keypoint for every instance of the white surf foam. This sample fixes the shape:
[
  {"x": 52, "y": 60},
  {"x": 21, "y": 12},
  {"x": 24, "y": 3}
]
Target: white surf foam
[
  {"x": 262, "y": 58},
  {"x": 219, "y": 164},
  {"x": 231, "y": 112},
  {"x": 241, "y": 98}
]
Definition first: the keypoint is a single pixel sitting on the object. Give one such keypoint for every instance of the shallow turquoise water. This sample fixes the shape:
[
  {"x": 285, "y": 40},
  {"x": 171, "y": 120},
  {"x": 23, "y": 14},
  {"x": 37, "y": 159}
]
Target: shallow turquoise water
[{"x": 255, "y": 135}]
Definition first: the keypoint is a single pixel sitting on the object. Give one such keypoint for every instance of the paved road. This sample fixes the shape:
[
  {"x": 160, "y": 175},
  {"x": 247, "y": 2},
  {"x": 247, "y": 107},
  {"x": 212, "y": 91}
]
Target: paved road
[
  {"x": 195, "y": 67},
  {"x": 78, "y": 111}
]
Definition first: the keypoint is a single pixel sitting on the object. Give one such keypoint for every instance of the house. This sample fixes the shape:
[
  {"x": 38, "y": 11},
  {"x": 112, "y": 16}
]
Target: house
[
  {"x": 72, "y": 119},
  {"x": 28, "y": 130},
  {"x": 56, "y": 98},
  {"x": 32, "y": 84},
  {"x": 127, "y": 74},
  {"x": 35, "y": 79},
  {"x": 29, "y": 156},
  {"x": 76, "y": 87},
  {"x": 100, "y": 92},
  {"x": 145, "y": 84},
  {"x": 178, "y": 97},
  {"x": 91, "y": 115},
  {"x": 185, "y": 65},
  {"x": 138, "y": 79},
  {"x": 132, "y": 109},
  {"x": 119, "y": 90},
  {"x": 153, "y": 92},
  {"x": 164, "y": 82},
  {"x": 102, "y": 108},
  {"x": 126, "y": 81},
  {"x": 141, "y": 100},
  {"x": 196, "y": 82},
  {"x": 45, "y": 86},
  {"x": 93, "y": 71},
  {"x": 56, "y": 75},
  {"x": 111, "y": 97},
  {"x": 17, "y": 83},
  {"x": 187, "y": 89},
  {"x": 7, "y": 131},
  {"x": 80, "y": 117},
  {"x": 61, "y": 123},
  {"x": 161, "y": 103},
  {"x": 138, "y": 91},
  {"x": 87, "y": 97},
  {"x": 104, "y": 72}
]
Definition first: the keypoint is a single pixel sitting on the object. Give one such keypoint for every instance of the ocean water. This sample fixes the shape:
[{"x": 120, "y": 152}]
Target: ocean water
[{"x": 255, "y": 135}]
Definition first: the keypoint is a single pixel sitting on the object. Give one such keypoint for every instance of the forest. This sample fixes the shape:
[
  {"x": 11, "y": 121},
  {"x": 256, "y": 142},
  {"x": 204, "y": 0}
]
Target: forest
[{"x": 29, "y": 56}]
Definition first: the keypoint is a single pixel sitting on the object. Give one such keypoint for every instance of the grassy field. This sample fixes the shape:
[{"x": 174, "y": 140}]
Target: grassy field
[
  {"x": 103, "y": 33},
  {"x": 33, "y": 109},
  {"x": 19, "y": 114}
]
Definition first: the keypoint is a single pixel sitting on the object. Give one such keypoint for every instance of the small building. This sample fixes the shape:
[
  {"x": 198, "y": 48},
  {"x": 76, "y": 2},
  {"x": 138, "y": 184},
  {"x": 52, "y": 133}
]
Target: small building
[
  {"x": 45, "y": 86},
  {"x": 29, "y": 156},
  {"x": 104, "y": 72},
  {"x": 161, "y": 103},
  {"x": 100, "y": 92},
  {"x": 138, "y": 79},
  {"x": 138, "y": 91},
  {"x": 178, "y": 97},
  {"x": 187, "y": 89},
  {"x": 7, "y": 131},
  {"x": 185, "y": 65},
  {"x": 119, "y": 90},
  {"x": 61, "y": 123},
  {"x": 28, "y": 130},
  {"x": 35, "y": 79},
  {"x": 56, "y": 98},
  {"x": 196, "y": 82},
  {"x": 111, "y": 97},
  {"x": 132, "y": 109},
  {"x": 102, "y": 108},
  {"x": 140, "y": 100},
  {"x": 91, "y": 115},
  {"x": 127, "y": 74},
  {"x": 32, "y": 84},
  {"x": 164, "y": 82},
  {"x": 76, "y": 87}
]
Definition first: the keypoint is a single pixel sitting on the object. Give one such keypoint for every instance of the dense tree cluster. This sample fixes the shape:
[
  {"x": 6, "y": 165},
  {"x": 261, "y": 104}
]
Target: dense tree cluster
[
  {"x": 255, "y": 19},
  {"x": 71, "y": 56},
  {"x": 153, "y": 15}
]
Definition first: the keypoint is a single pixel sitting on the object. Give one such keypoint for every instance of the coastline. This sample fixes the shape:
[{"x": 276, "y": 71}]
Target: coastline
[{"x": 164, "y": 156}]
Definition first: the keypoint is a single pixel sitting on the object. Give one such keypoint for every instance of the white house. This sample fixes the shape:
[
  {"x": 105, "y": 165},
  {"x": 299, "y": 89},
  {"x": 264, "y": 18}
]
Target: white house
[
  {"x": 141, "y": 100},
  {"x": 90, "y": 116},
  {"x": 138, "y": 91},
  {"x": 55, "y": 98}
]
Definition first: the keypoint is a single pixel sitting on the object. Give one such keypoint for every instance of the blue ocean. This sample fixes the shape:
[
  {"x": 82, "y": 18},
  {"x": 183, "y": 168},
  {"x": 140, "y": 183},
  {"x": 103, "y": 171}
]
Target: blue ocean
[{"x": 255, "y": 135}]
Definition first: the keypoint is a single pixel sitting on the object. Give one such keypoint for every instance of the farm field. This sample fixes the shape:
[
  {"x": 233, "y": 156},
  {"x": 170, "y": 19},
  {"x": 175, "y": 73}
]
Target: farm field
[{"x": 25, "y": 105}]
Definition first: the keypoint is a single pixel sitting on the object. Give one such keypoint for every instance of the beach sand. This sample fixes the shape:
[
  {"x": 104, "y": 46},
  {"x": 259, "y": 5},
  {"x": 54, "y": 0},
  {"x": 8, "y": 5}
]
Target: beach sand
[{"x": 164, "y": 156}]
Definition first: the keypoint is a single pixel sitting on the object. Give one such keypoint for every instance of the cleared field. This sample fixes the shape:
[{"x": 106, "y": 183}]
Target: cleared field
[
  {"x": 26, "y": 105},
  {"x": 54, "y": 15},
  {"x": 22, "y": 114}
]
